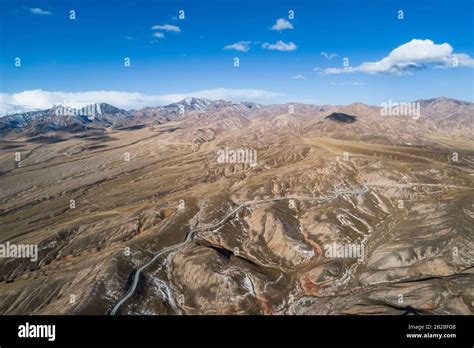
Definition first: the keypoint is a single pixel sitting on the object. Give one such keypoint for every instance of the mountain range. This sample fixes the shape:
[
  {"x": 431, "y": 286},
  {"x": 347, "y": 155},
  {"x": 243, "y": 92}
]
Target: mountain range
[
  {"x": 101, "y": 116},
  {"x": 118, "y": 198}
]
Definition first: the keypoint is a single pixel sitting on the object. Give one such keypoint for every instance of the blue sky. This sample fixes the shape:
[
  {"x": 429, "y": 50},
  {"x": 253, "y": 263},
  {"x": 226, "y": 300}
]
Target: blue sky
[{"x": 84, "y": 58}]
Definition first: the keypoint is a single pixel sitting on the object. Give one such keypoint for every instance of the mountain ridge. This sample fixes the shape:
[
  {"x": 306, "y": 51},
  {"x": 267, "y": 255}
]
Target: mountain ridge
[{"x": 104, "y": 115}]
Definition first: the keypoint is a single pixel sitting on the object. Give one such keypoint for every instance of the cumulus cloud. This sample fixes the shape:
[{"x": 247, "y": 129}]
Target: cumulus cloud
[
  {"x": 166, "y": 27},
  {"x": 280, "y": 46},
  {"x": 328, "y": 55},
  {"x": 298, "y": 77},
  {"x": 282, "y": 24},
  {"x": 39, "y": 99},
  {"x": 411, "y": 56},
  {"x": 242, "y": 46},
  {"x": 39, "y": 11}
]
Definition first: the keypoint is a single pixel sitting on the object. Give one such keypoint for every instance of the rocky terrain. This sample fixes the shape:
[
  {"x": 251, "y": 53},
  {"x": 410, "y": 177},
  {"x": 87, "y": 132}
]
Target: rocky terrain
[{"x": 102, "y": 191}]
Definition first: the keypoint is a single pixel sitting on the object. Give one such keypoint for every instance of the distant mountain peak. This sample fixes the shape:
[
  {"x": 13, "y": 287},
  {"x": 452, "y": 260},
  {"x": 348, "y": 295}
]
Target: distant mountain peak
[
  {"x": 441, "y": 100},
  {"x": 194, "y": 100},
  {"x": 201, "y": 104}
]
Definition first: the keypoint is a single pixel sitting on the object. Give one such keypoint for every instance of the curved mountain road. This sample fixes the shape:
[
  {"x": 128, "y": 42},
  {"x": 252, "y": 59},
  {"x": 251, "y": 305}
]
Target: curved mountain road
[{"x": 191, "y": 233}]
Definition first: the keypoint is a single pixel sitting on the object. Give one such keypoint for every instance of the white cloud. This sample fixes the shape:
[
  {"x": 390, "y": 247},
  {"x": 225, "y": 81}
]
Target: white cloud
[
  {"x": 242, "y": 46},
  {"x": 298, "y": 77},
  {"x": 414, "y": 55},
  {"x": 158, "y": 35},
  {"x": 347, "y": 83},
  {"x": 282, "y": 24},
  {"x": 328, "y": 55},
  {"x": 280, "y": 46},
  {"x": 39, "y": 11},
  {"x": 39, "y": 99},
  {"x": 166, "y": 27}
]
